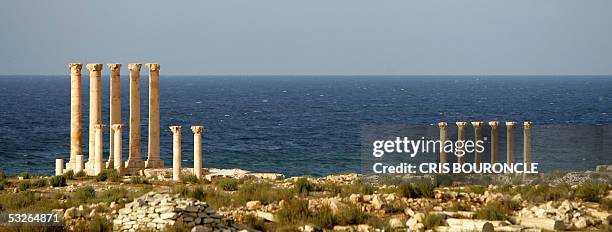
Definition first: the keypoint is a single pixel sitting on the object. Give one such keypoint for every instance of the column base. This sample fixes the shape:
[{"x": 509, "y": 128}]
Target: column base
[
  {"x": 71, "y": 165},
  {"x": 133, "y": 166},
  {"x": 157, "y": 163}
]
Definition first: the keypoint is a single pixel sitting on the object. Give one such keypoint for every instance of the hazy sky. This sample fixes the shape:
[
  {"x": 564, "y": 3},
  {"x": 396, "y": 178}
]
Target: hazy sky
[{"x": 311, "y": 36}]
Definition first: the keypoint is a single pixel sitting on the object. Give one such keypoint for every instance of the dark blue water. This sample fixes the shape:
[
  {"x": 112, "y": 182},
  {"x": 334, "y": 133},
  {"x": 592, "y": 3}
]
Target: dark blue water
[{"x": 311, "y": 125}]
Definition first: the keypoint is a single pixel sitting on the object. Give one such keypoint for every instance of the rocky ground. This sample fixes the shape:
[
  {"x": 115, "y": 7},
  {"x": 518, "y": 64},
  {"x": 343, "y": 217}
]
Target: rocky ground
[{"x": 237, "y": 200}]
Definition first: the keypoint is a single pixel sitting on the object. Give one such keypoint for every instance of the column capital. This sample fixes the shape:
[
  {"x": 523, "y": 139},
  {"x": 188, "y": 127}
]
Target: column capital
[
  {"x": 510, "y": 124},
  {"x": 75, "y": 67},
  {"x": 461, "y": 124},
  {"x": 442, "y": 125},
  {"x": 99, "y": 126},
  {"x": 114, "y": 67},
  {"x": 197, "y": 129},
  {"x": 94, "y": 67},
  {"x": 494, "y": 124},
  {"x": 477, "y": 124},
  {"x": 175, "y": 129},
  {"x": 153, "y": 66},
  {"x": 116, "y": 127},
  {"x": 527, "y": 124},
  {"x": 134, "y": 67}
]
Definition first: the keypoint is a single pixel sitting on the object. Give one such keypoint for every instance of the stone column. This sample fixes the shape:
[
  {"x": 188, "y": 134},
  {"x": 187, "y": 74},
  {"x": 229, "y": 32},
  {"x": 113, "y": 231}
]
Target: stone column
[
  {"x": 153, "y": 159},
  {"x": 443, "y": 131},
  {"x": 197, "y": 150},
  {"x": 98, "y": 163},
  {"x": 176, "y": 152},
  {"x": 117, "y": 149},
  {"x": 59, "y": 167},
  {"x": 134, "y": 162},
  {"x": 78, "y": 165},
  {"x": 76, "y": 114},
  {"x": 510, "y": 142},
  {"x": 461, "y": 137},
  {"x": 494, "y": 140},
  {"x": 115, "y": 108},
  {"x": 95, "y": 107},
  {"x": 477, "y": 136},
  {"x": 527, "y": 142}
]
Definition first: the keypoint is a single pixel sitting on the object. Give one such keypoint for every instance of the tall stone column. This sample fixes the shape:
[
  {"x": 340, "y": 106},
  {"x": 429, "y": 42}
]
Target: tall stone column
[
  {"x": 59, "y": 167},
  {"x": 153, "y": 159},
  {"x": 494, "y": 141},
  {"x": 477, "y": 137},
  {"x": 527, "y": 142},
  {"x": 443, "y": 131},
  {"x": 197, "y": 150},
  {"x": 117, "y": 149},
  {"x": 95, "y": 108},
  {"x": 461, "y": 137},
  {"x": 134, "y": 162},
  {"x": 510, "y": 142},
  {"x": 176, "y": 152},
  {"x": 98, "y": 162},
  {"x": 115, "y": 108},
  {"x": 76, "y": 114}
]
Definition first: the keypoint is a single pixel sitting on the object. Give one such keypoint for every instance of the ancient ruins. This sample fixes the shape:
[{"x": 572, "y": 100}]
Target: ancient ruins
[{"x": 95, "y": 163}]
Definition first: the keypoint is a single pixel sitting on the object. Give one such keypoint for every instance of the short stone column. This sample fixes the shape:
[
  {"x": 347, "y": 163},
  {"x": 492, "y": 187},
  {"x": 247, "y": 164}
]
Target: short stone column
[
  {"x": 477, "y": 137},
  {"x": 59, "y": 166},
  {"x": 115, "y": 108},
  {"x": 461, "y": 137},
  {"x": 510, "y": 142},
  {"x": 78, "y": 165},
  {"x": 153, "y": 159},
  {"x": 76, "y": 114},
  {"x": 443, "y": 131},
  {"x": 95, "y": 108},
  {"x": 527, "y": 142},
  {"x": 494, "y": 140},
  {"x": 98, "y": 163},
  {"x": 197, "y": 150},
  {"x": 117, "y": 149},
  {"x": 134, "y": 162},
  {"x": 176, "y": 152}
]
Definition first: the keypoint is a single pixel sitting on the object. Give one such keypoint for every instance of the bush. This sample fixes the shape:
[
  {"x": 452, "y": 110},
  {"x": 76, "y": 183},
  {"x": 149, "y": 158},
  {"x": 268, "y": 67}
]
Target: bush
[
  {"x": 293, "y": 212},
  {"x": 111, "y": 175},
  {"x": 323, "y": 218},
  {"x": 27, "y": 201},
  {"x": 136, "y": 180},
  {"x": 352, "y": 215},
  {"x": 69, "y": 175},
  {"x": 97, "y": 223},
  {"x": 111, "y": 195},
  {"x": 84, "y": 194},
  {"x": 40, "y": 183},
  {"x": 415, "y": 190},
  {"x": 592, "y": 192},
  {"x": 261, "y": 191},
  {"x": 227, "y": 184},
  {"x": 24, "y": 185},
  {"x": 346, "y": 190},
  {"x": 432, "y": 220},
  {"x": 181, "y": 190},
  {"x": 494, "y": 211},
  {"x": 58, "y": 181},
  {"x": 198, "y": 194},
  {"x": 254, "y": 222},
  {"x": 25, "y": 175},
  {"x": 304, "y": 186},
  {"x": 80, "y": 174}
]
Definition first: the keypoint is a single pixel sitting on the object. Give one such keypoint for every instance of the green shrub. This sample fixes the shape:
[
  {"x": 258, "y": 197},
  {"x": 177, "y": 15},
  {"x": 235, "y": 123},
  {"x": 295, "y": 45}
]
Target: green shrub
[
  {"x": 415, "y": 190},
  {"x": 261, "y": 191},
  {"x": 189, "y": 178},
  {"x": 69, "y": 175},
  {"x": 346, "y": 190},
  {"x": 24, "y": 185},
  {"x": 181, "y": 190},
  {"x": 108, "y": 175},
  {"x": 80, "y": 174},
  {"x": 323, "y": 218},
  {"x": 432, "y": 220},
  {"x": 27, "y": 201},
  {"x": 352, "y": 215},
  {"x": 98, "y": 223},
  {"x": 136, "y": 180},
  {"x": 198, "y": 194},
  {"x": 254, "y": 222},
  {"x": 591, "y": 192},
  {"x": 84, "y": 194},
  {"x": 111, "y": 195},
  {"x": 40, "y": 183},
  {"x": 493, "y": 211},
  {"x": 294, "y": 211},
  {"x": 227, "y": 184},
  {"x": 25, "y": 175},
  {"x": 58, "y": 181},
  {"x": 304, "y": 186}
]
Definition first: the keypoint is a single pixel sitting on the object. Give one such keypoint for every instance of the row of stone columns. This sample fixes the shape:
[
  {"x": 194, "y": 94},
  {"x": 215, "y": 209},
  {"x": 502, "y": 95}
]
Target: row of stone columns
[
  {"x": 494, "y": 140},
  {"x": 95, "y": 162},
  {"x": 176, "y": 151}
]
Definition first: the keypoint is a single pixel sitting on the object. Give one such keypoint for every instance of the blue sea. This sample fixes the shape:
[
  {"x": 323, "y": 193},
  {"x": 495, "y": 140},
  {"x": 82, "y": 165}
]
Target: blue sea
[{"x": 311, "y": 125}]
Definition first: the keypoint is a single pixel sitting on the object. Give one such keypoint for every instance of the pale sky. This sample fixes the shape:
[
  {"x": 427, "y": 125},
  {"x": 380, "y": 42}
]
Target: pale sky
[{"x": 313, "y": 37}]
